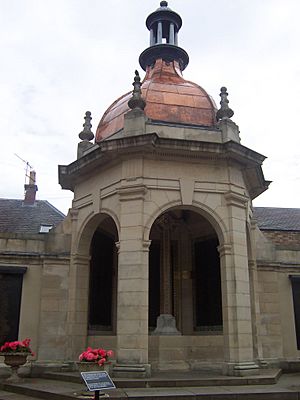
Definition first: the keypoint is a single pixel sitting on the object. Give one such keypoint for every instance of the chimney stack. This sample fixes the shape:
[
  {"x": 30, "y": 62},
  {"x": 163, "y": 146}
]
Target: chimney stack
[{"x": 30, "y": 190}]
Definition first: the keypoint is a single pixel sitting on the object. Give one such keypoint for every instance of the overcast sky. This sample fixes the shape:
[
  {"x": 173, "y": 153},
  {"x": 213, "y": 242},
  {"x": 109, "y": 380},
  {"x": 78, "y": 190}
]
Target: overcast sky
[{"x": 60, "y": 58}]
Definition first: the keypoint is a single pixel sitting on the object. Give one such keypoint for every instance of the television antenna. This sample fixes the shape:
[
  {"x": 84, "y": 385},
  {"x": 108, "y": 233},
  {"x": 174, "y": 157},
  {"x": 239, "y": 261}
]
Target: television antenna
[{"x": 28, "y": 167}]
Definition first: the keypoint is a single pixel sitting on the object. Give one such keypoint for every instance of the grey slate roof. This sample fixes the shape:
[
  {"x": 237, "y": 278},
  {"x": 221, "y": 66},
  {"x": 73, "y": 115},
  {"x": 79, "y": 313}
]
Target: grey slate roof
[
  {"x": 15, "y": 217},
  {"x": 277, "y": 219}
]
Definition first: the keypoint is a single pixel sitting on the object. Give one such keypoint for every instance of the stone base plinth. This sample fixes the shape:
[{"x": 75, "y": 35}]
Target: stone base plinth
[
  {"x": 166, "y": 325},
  {"x": 179, "y": 365},
  {"x": 131, "y": 371},
  {"x": 241, "y": 369}
]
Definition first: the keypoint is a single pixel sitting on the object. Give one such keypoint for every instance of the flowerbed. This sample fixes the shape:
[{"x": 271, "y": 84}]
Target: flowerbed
[
  {"x": 17, "y": 347},
  {"x": 97, "y": 356}
]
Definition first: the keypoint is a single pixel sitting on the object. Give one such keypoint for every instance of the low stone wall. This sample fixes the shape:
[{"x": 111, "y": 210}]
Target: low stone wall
[{"x": 186, "y": 352}]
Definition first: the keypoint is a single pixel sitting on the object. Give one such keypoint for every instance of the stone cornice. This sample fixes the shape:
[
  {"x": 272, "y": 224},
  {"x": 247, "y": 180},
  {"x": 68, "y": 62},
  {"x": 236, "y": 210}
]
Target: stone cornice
[
  {"x": 277, "y": 266},
  {"x": 24, "y": 236},
  {"x": 151, "y": 145},
  {"x": 18, "y": 255}
]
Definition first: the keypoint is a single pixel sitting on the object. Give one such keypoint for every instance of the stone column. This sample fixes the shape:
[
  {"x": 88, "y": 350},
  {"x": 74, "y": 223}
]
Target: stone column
[
  {"x": 186, "y": 271},
  {"x": 237, "y": 322},
  {"x": 132, "y": 299},
  {"x": 166, "y": 324},
  {"x": 166, "y": 303}
]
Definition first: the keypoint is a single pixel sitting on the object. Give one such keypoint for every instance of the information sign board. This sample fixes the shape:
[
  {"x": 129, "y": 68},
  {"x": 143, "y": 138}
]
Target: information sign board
[{"x": 97, "y": 380}]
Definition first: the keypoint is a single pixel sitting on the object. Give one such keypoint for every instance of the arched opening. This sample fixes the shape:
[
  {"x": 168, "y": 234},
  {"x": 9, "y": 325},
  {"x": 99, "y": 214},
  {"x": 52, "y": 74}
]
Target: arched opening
[
  {"x": 184, "y": 272},
  {"x": 103, "y": 278}
]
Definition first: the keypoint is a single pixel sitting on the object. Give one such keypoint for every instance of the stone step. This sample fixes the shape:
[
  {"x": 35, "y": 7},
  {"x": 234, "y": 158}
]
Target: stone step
[
  {"x": 13, "y": 396},
  {"x": 287, "y": 388},
  {"x": 53, "y": 390},
  {"x": 190, "y": 379},
  {"x": 130, "y": 371},
  {"x": 44, "y": 389}
]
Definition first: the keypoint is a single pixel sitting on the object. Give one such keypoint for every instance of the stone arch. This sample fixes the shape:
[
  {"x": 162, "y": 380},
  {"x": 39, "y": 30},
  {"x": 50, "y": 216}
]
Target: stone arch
[
  {"x": 184, "y": 263},
  {"x": 88, "y": 228},
  {"x": 199, "y": 208},
  {"x": 94, "y": 261}
]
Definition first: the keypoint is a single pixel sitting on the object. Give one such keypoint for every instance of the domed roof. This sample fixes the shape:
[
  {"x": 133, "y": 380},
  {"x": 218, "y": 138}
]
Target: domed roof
[{"x": 169, "y": 98}]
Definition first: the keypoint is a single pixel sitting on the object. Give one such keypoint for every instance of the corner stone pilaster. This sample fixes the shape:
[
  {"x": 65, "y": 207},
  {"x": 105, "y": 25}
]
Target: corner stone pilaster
[
  {"x": 132, "y": 304},
  {"x": 237, "y": 320},
  {"x": 254, "y": 290},
  {"x": 77, "y": 316}
]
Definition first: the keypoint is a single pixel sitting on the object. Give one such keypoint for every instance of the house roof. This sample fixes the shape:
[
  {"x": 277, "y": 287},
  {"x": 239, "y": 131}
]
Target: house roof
[
  {"x": 277, "y": 219},
  {"x": 15, "y": 217}
]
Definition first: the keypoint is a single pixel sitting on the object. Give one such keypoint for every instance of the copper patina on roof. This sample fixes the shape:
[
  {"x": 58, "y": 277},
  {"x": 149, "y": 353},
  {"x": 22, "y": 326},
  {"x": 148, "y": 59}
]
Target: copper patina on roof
[{"x": 169, "y": 98}]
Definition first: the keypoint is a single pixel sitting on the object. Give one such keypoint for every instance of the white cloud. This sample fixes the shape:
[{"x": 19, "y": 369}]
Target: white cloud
[{"x": 63, "y": 57}]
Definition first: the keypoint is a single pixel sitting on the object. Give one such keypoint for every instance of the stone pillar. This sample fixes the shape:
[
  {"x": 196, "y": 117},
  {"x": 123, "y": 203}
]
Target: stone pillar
[
  {"x": 166, "y": 303},
  {"x": 237, "y": 322},
  {"x": 166, "y": 323},
  {"x": 186, "y": 272},
  {"x": 77, "y": 316},
  {"x": 132, "y": 301}
]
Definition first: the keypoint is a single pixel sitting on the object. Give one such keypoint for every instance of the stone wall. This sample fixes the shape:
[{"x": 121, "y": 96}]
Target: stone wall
[
  {"x": 278, "y": 257},
  {"x": 283, "y": 238},
  {"x": 45, "y": 287},
  {"x": 186, "y": 352},
  {"x": 53, "y": 309},
  {"x": 270, "y": 314}
]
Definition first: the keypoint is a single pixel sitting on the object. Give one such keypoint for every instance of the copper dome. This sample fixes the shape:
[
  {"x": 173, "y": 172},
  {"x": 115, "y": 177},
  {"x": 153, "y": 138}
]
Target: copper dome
[{"x": 169, "y": 98}]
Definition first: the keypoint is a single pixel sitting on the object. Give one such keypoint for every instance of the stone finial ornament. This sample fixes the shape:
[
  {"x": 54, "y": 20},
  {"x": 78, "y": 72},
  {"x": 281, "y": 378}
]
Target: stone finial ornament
[
  {"x": 136, "y": 100},
  {"x": 87, "y": 134},
  {"x": 224, "y": 112},
  {"x": 164, "y": 4}
]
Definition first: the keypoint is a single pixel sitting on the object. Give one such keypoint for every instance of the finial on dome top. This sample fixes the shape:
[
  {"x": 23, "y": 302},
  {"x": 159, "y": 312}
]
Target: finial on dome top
[
  {"x": 164, "y": 25},
  {"x": 224, "y": 112},
  {"x": 136, "y": 100},
  {"x": 87, "y": 134}
]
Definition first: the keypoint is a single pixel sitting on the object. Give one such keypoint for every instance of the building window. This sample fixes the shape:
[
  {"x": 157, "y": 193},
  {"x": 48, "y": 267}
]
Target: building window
[
  {"x": 101, "y": 283},
  {"x": 154, "y": 283},
  {"x": 295, "y": 279},
  {"x": 11, "y": 280},
  {"x": 208, "y": 286},
  {"x": 45, "y": 228}
]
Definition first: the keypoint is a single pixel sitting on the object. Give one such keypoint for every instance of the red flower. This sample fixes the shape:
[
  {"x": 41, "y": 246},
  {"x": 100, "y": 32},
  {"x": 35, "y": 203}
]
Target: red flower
[
  {"x": 99, "y": 356},
  {"x": 102, "y": 352},
  {"x": 16, "y": 347}
]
